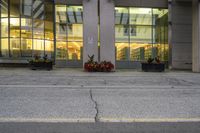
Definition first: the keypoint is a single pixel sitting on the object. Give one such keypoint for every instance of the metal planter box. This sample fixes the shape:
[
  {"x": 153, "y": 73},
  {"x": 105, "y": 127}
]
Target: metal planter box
[
  {"x": 41, "y": 65},
  {"x": 153, "y": 67}
]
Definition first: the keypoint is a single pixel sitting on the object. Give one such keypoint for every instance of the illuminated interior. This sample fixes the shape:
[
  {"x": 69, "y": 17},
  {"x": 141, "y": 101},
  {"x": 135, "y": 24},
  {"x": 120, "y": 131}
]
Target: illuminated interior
[
  {"x": 69, "y": 32},
  {"x": 27, "y": 28},
  {"x": 141, "y": 33}
]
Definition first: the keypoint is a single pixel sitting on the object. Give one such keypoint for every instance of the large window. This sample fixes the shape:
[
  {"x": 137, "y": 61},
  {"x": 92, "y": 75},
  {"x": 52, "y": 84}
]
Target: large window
[
  {"x": 26, "y": 28},
  {"x": 141, "y": 33},
  {"x": 69, "y": 32}
]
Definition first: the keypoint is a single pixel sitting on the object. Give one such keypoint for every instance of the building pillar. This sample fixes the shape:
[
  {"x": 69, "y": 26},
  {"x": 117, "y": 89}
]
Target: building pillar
[
  {"x": 90, "y": 29},
  {"x": 196, "y": 36},
  {"x": 107, "y": 30},
  {"x": 170, "y": 33}
]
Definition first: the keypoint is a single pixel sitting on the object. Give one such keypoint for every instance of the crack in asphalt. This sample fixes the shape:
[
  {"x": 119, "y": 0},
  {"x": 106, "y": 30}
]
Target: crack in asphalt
[{"x": 96, "y": 107}]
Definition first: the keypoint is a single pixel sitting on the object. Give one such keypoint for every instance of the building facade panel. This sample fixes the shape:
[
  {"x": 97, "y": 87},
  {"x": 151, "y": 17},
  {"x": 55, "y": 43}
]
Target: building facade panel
[
  {"x": 107, "y": 31},
  {"x": 91, "y": 20},
  {"x": 181, "y": 35}
]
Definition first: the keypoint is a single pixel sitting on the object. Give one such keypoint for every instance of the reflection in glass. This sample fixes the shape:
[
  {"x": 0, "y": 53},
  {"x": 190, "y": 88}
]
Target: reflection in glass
[
  {"x": 26, "y": 8},
  {"x": 49, "y": 30},
  {"x": 121, "y": 33},
  {"x": 15, "y": 47},
  {"x": 26, "y": 17},
  {"x": 14, "y": 27},
  {"x": 4, "y": 8},
  {"x": 75, "y": 32},
  {"x": 137, "y": 52},
  {"x": 142, "y": 34},
  {"x": 61, "y": 13},
  {"x": 26, "y": 28},
  {"x": 61, "y": 50},
  {"x": 122, "y": 51},
  {"x": 49, "y": 21},
  {"x": 26, "y": 47},
  {"x": 61, "y": 32},
  {"x": 69, "y": 32},
  {"x": 121, "y": 16},
  {"x": 141, "y": 16},
  {"x": 14, "y": 8},
  {"x": 38, "y": 29},
  {"x": 38, "y": 9},
  {"x": 75, "y": 14},
  {"x": 161, "y": 33},
  {"x": 145, "y": 34},
  {"x": 75, "y": 50},
  {"x": 4, "y": 52},
  {"x": 38, "y": 47},
  {"x": 4, "y": 27},
  {"x": 49, "y": 49}
]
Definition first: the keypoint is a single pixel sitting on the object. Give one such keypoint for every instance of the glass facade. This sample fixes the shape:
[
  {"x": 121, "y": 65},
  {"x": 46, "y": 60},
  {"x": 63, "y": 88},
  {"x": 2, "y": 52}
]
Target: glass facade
[
  {"x": 26, "y": 28},
  {"x": 69, "y": 32},
  {"x": 141, "y": 33},
  {"x": 38, "y": 27}
]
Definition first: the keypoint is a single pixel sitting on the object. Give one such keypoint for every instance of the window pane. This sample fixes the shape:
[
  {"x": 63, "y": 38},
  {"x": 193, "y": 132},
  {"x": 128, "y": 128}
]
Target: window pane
[
  {"x": 141, "y": 16},
  {"x": 75, "y": 14},
  {"x": 26, "y": 47},
  {"x": 75, "y": 32},
  {"x": 38, "y": 29},
  {"x": 38, "y": 9},
  {"x": 26, "y": 8},
  {"x": 4, "y": 47},
  {"x": 61, "y": 32},
  {"x": 139, "y": 51},
  {"x": 49, "y": 49},
  {"x": 15, "y": 47},
  {"x": 61, "y": 50},
  {"x": 75, "y": 50},
  {"x": 4, "y": 8},
  {"x": 26, "y": 28},
  {"x": 61, "y": 13},
  {"x": 121, "y": 16},
  {"x": 141, "y": 34},
  {"x": 4, "y": 27},
  {"x": 38, "y": 47},
  {"x": 161, "y": 34},
  {"x": 14, "y": 8},
  {"x": 122, "y": 51},
  {"x": 49, "y": 30},
  {"x": 49, "y": 21},
  {"x": 121, "y": 33},
  {"x": 14, "y": 27}
]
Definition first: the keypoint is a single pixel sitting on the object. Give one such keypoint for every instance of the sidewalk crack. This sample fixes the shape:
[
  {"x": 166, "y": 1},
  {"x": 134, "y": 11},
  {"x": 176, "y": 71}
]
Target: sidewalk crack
[{"x": 96, "y": 107}]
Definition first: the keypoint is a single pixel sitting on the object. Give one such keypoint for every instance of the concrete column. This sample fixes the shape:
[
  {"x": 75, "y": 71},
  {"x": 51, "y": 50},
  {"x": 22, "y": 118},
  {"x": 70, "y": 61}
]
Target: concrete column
[
  {"x": 90, "y": 29},
  {"x": 107, "y": 30},
  {"x": 170, "y": 32},
  {"x": 196, "y": 36}
]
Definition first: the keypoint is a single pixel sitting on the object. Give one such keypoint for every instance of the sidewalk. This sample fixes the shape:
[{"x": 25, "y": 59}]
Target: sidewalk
[{"x": 71, "y": 97}]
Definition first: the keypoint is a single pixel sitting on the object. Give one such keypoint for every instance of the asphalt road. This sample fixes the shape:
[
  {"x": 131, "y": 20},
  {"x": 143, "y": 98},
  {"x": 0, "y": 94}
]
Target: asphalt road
[{"x": 127, "y": 98}]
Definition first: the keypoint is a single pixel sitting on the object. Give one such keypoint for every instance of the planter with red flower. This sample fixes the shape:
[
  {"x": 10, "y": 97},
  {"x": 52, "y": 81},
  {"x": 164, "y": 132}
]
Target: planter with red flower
[{"x": 93, "y": 66}]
